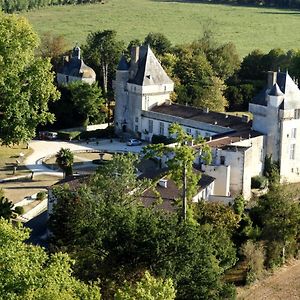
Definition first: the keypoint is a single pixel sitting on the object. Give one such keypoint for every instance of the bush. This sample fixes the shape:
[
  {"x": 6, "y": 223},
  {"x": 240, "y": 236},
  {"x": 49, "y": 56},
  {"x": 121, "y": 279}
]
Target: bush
[
  {"x": 259, "y": 182},
  {"x": 255, "y": 256},
  {"x": 99, "y": 133},
  {"x": 161, "y": 139},
  {"x": 68, "y": 135},
  {"x": 41, "y": 196},
  {"x": 19, "y": 210}
]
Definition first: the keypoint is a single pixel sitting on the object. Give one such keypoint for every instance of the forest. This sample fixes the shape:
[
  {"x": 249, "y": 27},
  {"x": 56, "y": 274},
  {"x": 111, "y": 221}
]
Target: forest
[{"x": 10, "y": 6}]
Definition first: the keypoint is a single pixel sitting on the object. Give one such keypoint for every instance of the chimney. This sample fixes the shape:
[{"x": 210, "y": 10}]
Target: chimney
[
  {"x": 65, "y": 59},
  {"x": 206, "y": 110},
  {"x": 163, "y": 183},
  {"x": 135, "y": 55},
  {"x": 272, "y": 78}
]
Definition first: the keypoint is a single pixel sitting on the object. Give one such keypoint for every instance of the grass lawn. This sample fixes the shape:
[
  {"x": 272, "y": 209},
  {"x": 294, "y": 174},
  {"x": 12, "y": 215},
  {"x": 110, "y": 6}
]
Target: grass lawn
[
  {"x": 15, "y": 191},
  {"x": 180, "y": 21},
  {"x": 8, "y": 157}
]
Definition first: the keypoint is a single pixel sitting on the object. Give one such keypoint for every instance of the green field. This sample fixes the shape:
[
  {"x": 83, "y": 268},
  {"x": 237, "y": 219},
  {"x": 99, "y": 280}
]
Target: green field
[{"x": 247, "y": 27}]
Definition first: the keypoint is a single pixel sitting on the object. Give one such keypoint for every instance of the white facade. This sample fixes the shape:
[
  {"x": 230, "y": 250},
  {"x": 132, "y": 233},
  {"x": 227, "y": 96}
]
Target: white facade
[{"x": 239, "y": 148}]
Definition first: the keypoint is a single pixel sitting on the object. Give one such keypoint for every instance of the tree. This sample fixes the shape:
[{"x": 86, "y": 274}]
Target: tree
[
  {"x": 180, "y": 161},
  {"x": 198, "y": 85},
  {"x": 6, "y": 208},
  {"x": 88, "y": 101},
  {"x": 158, "y": 42},
  {"x": 65, "y": 160},
  {"x": 104, "y": 51},
  {"x": 27, "y": 272},
  {"x": 26, "y": 82},
  {"x": 54, "y": 47},
  {"x": 279, "y": 217},
  {"x": 148, "y": 288},
  {"x": 114, "y": 238}
]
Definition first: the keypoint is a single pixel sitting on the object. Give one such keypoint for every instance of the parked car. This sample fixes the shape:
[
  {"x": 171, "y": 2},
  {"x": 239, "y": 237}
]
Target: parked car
[
  {"x": 134, "y": 142},
  {"x": 47, "y": 135}
]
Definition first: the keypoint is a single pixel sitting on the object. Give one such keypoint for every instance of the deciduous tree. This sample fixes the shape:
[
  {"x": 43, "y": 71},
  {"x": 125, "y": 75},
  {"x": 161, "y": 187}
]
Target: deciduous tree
[
  {"x": 26, "y": 82},
  {"x": 27, "y": 272},
  {"x": 88, "y": 101}
]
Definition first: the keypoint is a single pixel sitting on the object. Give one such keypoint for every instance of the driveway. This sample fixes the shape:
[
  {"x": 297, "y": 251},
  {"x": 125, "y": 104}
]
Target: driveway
[{"x": 42, "y": 149}]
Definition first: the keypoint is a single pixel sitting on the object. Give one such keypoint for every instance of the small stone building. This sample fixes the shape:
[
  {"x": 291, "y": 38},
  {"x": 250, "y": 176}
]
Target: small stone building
[{"x": 74, "y": 69}]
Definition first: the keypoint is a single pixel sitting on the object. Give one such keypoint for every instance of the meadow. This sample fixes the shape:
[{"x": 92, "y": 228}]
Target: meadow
[{"x": 181, "y": 21}]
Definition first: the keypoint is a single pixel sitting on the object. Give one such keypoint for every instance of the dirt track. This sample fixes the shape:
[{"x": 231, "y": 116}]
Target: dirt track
[{"x": 283, "y": 284}]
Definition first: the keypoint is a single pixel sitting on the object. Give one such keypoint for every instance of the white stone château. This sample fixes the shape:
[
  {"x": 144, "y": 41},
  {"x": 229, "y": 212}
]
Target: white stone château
[
  {"x": 276, "y": 114},
  {"x": 239, "y": 146},
  {"x": 74, "y": 69}
]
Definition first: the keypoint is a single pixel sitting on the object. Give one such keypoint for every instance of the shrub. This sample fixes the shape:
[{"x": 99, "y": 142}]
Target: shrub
[
  {"x": 161, "y": 139},
  {"x": 99, "y": 133},
  {"x": 41, "y": 196},
  {"x": 255, "y": 257},
  {"x": 259, "y": 182},
  {"x": 68, "y": 135},
  {"x": 19, "y": 210}
]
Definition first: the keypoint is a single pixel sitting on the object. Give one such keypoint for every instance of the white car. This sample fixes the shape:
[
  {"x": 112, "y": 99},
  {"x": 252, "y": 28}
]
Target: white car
[{"x": 134, "y": 142}]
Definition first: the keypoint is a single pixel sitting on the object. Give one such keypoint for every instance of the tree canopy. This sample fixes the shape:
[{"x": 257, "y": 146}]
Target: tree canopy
[
  {"x": 26, "y": 82},
  {"x": 27, "y": 272},
  {"x": 115, "y": 238}
]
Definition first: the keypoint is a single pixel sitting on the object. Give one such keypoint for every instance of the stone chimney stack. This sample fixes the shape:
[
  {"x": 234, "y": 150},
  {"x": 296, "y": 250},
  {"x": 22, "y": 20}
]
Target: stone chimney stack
[
  {"x": 135, "y": 55},
  {"x": 272, "y": 78}
]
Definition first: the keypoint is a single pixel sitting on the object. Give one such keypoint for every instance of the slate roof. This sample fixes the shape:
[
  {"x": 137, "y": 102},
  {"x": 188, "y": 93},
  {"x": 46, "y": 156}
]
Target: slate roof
[
  {"x": 171, "y": 193},
  {"x": 150, "y": 71},
  {"x": 76, "y": 66},
  {"x": 197, "y": 114},
  {"x": 275, "y": 91},
  {"x": 224, "y": 140},
  {"x": 284, "y": 86},
  {"x": 123, "y": 64}
]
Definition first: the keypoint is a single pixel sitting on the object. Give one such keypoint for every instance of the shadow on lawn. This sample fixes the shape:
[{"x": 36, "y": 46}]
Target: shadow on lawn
[{"x": 285, "y": 11}]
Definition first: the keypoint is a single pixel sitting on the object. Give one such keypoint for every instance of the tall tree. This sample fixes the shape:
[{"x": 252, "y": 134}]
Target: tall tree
[
  {"x": 27, "y": 272},
  {"x": 279, "y": 216},
  {"x": 26, "y": 82},
  {"x": 104, "y": 51},
  {"x": 158, "y": 42},
  {"x": 180, "y": 163},
  {"x": 198, "y": 85},
  {"x": 88, "y": 101},
  {"x": 147, "y": 288},
  {"x": 54, "y": 47},
  {"x": 115, "y": 238}
]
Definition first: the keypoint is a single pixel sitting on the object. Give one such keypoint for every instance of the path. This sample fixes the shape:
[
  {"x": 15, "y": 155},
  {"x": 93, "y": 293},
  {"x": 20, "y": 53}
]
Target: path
[
  {"x": 42, "y": 149},
  {"x": 283, "y": 284}
]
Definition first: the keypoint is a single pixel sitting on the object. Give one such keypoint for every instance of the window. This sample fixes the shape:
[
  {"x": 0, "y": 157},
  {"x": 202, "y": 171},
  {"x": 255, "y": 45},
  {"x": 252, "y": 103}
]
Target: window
[
  {"x": 292, "y": 151},
  {"x": 222, "y": 160},
  {"x": 150, "y": 126},
  {"x": 136, "y": 128},
  {"x": 161, "y": 128},
  {"x": 197, "y": 133},
  {"x": 297, "y": 114},
  {"x": 136, "y": 119},
  {"x": 294, "y": 133},
  {"x": 188, "y": 130}
]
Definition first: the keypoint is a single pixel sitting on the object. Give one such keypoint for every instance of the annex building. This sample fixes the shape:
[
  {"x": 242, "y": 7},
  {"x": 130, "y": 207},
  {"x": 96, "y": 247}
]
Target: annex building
[{"x": 239, "y": 145}]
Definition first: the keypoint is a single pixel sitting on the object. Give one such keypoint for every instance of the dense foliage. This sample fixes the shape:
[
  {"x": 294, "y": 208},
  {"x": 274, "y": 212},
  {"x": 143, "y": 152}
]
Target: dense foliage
[
  {"x": 10, "y": 6},
  {"x": 26, "y": 82},
  {"x": 114, "y": 238},
  {"x": 28, "y": 272},
  {"x": 267, "y": 3}
]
